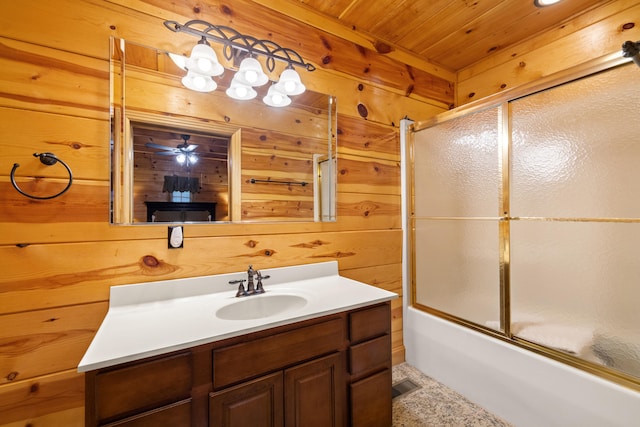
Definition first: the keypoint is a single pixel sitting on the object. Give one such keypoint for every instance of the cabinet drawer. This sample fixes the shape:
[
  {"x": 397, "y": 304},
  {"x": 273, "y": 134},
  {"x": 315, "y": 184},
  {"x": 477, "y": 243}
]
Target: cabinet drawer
[
  {"x": 140, "y": 387},
  {"x": 371, "y": 401},
  {"x": 246, "y": 360},
  {"x": 369, "y": 323},
  {"x": 176, "y": 415},
  {"x": 370, "y": 356}
]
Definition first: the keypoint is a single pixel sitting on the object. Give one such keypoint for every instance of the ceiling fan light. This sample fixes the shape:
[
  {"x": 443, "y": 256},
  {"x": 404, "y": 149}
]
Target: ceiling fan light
[
  {"x": 290, "y": 82},
  {"x": 199, "y": 82},
  {"x": 250, "y": 73},
  {"x": 181, "y": 158},
  {"x": 203, "y": 60},
  {"x": 193, "y": 159},
  {"x": 241, "y": 91},
  {"x": 276, "y": 98}
]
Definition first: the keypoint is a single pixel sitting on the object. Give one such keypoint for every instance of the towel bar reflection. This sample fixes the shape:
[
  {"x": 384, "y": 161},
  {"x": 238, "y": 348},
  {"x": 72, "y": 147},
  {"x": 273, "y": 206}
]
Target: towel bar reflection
[
  {"x": 269, "y": 181},
  {"x": 48, "y": 159}
]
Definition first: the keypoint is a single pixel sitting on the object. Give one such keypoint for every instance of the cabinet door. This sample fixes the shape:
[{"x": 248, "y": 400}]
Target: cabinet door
[
  {"x": 371, "y": 401},
  {"x": 315, "y": 393},
  {"x": 256, "y": 403}
]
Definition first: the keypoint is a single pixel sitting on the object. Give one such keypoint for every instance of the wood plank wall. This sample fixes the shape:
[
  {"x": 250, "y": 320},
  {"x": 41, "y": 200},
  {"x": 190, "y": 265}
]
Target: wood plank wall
[{"x": 59, "y": 257}]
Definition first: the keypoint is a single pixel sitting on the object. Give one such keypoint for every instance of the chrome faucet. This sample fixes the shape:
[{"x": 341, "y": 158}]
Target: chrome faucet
[{"x": 251, "y": 290}]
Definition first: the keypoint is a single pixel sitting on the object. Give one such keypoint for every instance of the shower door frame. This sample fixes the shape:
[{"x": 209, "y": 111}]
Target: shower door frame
[{"x": 501, "y": 101}]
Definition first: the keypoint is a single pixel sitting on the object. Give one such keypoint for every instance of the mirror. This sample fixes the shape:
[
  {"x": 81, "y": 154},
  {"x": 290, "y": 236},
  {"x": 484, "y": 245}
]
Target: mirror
[{"x": 184, "y": 156}]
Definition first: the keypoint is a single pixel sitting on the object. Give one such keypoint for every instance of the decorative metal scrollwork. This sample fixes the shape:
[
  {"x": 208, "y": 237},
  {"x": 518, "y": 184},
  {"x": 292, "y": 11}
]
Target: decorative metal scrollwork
[
  {"x": 232, "y": 39},
  {"x": 48, "y": 159}
]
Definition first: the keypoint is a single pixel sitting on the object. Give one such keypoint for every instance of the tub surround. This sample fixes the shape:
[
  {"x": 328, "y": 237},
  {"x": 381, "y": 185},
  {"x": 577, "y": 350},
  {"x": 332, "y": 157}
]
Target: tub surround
[{"x": 154, "y": 318}]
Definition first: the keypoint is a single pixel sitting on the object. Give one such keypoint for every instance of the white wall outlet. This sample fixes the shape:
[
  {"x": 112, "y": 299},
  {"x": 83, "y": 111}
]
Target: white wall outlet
[{"x": 176, "y": 238}]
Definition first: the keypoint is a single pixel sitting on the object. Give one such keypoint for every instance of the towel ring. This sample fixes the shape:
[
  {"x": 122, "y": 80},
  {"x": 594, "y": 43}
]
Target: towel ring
[{"x": 48, "y": 159}]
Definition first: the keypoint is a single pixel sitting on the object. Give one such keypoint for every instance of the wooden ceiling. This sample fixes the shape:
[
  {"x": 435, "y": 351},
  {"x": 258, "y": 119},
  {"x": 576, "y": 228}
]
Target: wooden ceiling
[
  {"x": 451, "y": 33},
  {"x": 208, "y": 146}
]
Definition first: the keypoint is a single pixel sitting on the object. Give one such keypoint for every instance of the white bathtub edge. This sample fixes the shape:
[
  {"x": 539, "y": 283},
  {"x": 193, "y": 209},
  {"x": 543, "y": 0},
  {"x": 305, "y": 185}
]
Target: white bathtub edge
[{"x": 521, "y": 387}]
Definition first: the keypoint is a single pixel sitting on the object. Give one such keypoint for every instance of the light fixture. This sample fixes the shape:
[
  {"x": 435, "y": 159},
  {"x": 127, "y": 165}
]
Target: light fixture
[
  {"x": 203, "y": 60},
  {"x": 203, "y": 63},
  {"x": 250, "y": 73},
  {"x": 188, "y": 158},
  {"x": 241, "y": 91},
  {"x": 276, "y": 98},
  {"x": 199, "y": 82},
  {"x": 545, "y": 3},
  {"x": 290, "y": 82}
]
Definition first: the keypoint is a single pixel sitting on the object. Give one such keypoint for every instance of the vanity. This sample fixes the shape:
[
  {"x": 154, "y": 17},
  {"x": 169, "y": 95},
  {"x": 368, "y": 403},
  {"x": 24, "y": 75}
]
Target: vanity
[{"x": 313, "y": 350}]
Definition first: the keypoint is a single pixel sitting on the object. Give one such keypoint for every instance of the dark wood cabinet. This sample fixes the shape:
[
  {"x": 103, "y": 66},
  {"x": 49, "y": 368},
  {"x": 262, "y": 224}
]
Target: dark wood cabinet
[
  {"x": 370, "y": 367},
  {"x": 257, "y": 403},
  {"x": 145, "y": 387},
  {"x": 330, "y": 371},
  {"x": 315, "y": 394},
  {"x": 370, "y": 401},
  {"x": 306, "y": 395}
]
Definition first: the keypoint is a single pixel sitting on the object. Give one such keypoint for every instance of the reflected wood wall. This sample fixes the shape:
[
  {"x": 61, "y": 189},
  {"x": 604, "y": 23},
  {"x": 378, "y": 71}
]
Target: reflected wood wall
[{"x": 59, "y": 257}]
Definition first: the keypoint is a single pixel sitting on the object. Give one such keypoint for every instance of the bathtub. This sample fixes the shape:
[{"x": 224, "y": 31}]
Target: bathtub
[{"x": 521, "y": 387}]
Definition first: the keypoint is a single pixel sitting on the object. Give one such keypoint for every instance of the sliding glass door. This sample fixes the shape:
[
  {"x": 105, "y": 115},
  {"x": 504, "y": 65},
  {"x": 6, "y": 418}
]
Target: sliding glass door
[{"x": 526, "y": 220}]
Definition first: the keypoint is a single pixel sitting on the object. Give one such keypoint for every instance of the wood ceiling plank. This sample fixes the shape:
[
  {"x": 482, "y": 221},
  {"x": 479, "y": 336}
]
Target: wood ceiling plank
[
  {"x": 334, "y": 8},
  {"x": 453, "y": 34},
  {"x": 395, "y": 20},
  {"x": 437, "y": 24},
  {"x": 371, "y": 17},
  {"x": 518, "y": 50},
  {"x": 504, "y": 25},
  {"x": 300, "y": 12}
]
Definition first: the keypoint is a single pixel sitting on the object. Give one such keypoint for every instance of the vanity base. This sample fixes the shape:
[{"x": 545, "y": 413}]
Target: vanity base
[{"x": 333, "y": 370}]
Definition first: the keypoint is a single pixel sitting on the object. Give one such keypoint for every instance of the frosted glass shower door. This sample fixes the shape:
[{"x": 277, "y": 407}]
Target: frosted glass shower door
[
  {"x": 575, "y": 203},
  {"x": 457, "y": 193}
]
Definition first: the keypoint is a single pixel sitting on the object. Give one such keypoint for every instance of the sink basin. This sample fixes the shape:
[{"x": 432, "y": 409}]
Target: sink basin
[{"x": 259, "y": 306}]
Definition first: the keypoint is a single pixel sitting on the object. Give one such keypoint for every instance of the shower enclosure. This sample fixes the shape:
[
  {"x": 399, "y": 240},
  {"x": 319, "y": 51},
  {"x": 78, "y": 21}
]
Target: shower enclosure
[{"x": 525, "y": 219}]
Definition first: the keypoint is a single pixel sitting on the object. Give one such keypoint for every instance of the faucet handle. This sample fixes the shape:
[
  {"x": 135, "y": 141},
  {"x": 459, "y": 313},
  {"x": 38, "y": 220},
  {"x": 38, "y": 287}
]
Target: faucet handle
[
  {"x": 241, "y": 292},
  {"x": 259, "y": 277}
]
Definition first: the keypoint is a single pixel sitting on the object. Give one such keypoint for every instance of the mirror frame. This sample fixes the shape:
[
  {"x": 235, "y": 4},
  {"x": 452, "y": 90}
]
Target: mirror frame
[{"x": 122, "y": 159}]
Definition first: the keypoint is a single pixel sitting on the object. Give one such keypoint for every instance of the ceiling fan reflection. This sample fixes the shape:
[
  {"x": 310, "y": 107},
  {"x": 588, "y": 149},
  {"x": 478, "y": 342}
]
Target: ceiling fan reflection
[{"x": 184, "y": 152}]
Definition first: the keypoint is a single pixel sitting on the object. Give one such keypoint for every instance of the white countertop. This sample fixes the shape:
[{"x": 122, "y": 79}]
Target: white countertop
[{"x": 154, "y": 318}]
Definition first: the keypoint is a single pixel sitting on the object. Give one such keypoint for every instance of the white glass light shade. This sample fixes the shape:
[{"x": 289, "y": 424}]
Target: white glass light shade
[
  {"x": 193, "y": 159},
  {"x": 276, "y": 98},
  {"x": 290, "y": 82},
  {"x": 181, "y": 158},
  {"x": 203, "y": 60},
  {"x": 241, "y": 91},
  {"x": 199, "y": 82},
  {"x": 250, "y": 73},
  {"x": 179, "y": 60}
]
